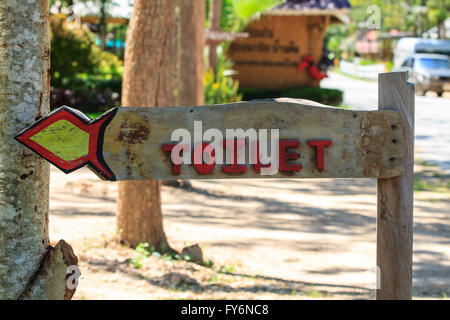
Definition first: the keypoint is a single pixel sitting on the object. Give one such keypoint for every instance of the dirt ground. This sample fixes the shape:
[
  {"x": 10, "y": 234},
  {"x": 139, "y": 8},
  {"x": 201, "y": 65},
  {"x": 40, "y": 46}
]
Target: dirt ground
[{"x": 266, "y": 239}]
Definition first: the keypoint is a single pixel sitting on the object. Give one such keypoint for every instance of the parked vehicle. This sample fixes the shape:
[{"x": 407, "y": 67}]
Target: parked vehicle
[
  {"x": 407, "y": 47},
  {"x": 428, "y": 72}
]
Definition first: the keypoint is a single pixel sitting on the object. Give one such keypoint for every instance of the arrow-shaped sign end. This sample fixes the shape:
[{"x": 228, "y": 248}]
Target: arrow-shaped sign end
[{"x": 69, "y": 139}]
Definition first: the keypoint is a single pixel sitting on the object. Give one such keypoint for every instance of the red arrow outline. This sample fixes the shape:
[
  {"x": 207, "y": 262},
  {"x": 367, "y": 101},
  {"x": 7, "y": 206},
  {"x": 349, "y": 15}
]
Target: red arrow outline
[{"x": 96, "y": 129}]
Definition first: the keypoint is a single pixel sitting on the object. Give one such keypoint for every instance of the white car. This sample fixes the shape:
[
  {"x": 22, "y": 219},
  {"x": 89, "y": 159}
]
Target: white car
[{"x": 428, "y": 72}]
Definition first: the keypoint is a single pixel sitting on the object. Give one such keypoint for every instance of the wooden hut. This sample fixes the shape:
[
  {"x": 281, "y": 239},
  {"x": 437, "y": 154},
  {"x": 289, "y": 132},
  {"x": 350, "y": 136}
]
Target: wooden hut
[{"x": 285, "y": 44}]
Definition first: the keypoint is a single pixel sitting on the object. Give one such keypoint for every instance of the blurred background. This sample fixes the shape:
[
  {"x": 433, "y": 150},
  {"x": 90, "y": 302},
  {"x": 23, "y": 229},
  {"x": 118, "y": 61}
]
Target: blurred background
[
  {"x": 260, "y": 48},
  {"x": 257, "y": 238}
]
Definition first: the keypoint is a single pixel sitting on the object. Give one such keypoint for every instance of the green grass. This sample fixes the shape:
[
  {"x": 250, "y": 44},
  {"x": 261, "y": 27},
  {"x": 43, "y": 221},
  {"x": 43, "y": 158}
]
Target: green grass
[
  {"x": 214, "y": 278},
  {"x": 421, "y": 184},
  {"x": 208, "y": 264},
  {"x": 365, "y": 62},
  {"x": 424, "y": 163},
  {"x": 311, "y": 293},
  {"x": 429, "y": 178},
  {"x": 227, "y": 268},
  {"x": 143, "y": 251},
  {"x": 433, "y": 200}
]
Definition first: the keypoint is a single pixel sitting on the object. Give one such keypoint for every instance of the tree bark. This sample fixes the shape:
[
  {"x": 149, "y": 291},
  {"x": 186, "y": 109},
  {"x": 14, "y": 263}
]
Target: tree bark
[
  {"x": 103, "y": 25},
  {"x": 24, "y": 177},
  {"x": 215, "y": 13},
  {"x": 192, "y": 42},
  {"x": 148, "y": 81}
]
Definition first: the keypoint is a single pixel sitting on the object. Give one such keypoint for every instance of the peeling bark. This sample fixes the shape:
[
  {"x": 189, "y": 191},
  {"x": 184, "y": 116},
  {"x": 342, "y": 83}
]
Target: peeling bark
[
  {"x": 50, "y": 281},
  {"x": 24, "y": 177}
]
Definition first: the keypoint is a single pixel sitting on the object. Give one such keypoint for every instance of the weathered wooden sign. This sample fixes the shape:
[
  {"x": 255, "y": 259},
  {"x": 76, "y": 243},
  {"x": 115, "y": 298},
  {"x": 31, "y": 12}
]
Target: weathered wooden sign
[
  {"x": 137, "y": 143},
  {"x": 305, "y": 139}
]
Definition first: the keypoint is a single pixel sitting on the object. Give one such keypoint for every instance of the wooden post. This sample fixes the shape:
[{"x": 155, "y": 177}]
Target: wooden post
[{"x": 395, "y": 196}]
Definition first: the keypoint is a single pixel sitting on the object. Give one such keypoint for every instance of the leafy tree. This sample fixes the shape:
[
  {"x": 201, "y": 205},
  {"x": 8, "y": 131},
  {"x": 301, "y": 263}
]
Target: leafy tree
[
  {"x": 74, "y": 52},
  {"x": 71, "y": 51},
  {"x": 402, "y": 15},
  {"x": 438, "y": 11},
  {"x": 220, "y": 87}
]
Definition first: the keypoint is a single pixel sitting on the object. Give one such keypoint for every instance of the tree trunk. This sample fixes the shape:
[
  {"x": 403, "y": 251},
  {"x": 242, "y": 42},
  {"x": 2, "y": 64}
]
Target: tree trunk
[
  {"x": 103, "y": 25},
  {"x": 215, "y": 13},
  {"x": 29, "y": 267},
  {"x": 441, "y": 29},
  {"x": 147, "y": 81},
  {"x": 70, "y": 7},
  {"x": 192, "y": 42}
]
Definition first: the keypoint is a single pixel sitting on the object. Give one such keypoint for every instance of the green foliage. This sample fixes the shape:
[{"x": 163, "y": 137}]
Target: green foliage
[
  {"x": 336, "y": 34},
  {"x": 227, "y": 268},
  {"x": 89, "y": 93},
  {"x": 236, "y": 14},
  {"x": 75, "y": 53},
  {"x": 438, "y": 11},
  {"x": 389, "y": 65},
  {"x": 71, "y": 51},
  {"x": 332, "y": 97},
  {"x": 405, "y": 15},
  {"x": 440, "y": 185},
  {"x": 208, "y": 264},
  {"x": 428, "y": 178},
  {"x": 402, "y": 15},
  {"x": 89, "y": 82},
  {"x": 214, "y": 278},
  {"x": 220, "y": 88},
  {"x": 313, "y": 293},
  {"x": 143, "y": 251},
  {"x": 366, "y": 62},
  {"x": 82, "y": 75}
]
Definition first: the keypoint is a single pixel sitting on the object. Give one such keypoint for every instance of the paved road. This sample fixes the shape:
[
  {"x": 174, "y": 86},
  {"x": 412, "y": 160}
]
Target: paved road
[{"x": 432, "y": 116}]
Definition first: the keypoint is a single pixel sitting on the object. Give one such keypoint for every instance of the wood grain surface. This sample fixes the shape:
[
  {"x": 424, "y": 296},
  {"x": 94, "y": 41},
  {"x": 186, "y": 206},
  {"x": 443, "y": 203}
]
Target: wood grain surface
[
  {"x": 365, "y": 144},
  {"x": 395, "y": 199}
]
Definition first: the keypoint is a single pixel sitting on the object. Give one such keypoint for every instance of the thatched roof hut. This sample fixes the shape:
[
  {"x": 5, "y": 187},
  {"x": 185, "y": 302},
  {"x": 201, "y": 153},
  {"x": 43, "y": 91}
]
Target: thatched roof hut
[{"x": 280, "y": 39}]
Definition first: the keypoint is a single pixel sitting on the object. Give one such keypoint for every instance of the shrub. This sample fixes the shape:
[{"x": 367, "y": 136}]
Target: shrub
[
  {"x": 332, "y": 97},
  {"x": 82, "y": 75},
  {"x": 366, "y": 62},
  {"x": 71, "y": 51},
  {"x": 89, "y": 93},
  {"x": 220, "y": 88}
]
